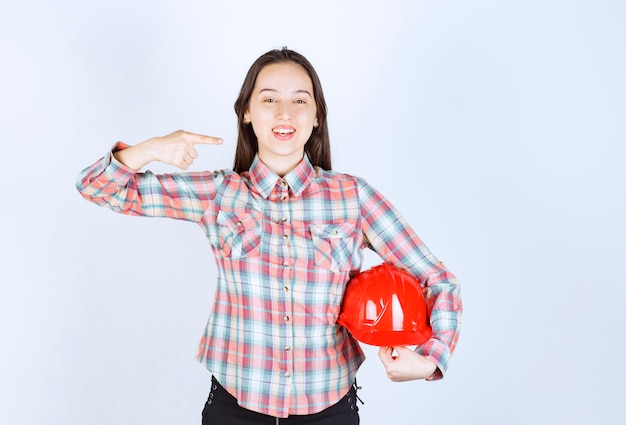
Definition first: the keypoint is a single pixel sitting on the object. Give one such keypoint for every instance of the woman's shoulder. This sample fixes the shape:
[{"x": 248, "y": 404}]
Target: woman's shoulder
[
  {"x": 334, "y": 175},
  {"x": 341, "y": 177},
  {"x": 346, "y": 183}
]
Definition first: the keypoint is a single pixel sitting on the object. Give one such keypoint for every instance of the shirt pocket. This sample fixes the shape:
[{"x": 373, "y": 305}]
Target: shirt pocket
[
  {"x": 239, "y": 234},
  {"x": 333, "y": 245}
]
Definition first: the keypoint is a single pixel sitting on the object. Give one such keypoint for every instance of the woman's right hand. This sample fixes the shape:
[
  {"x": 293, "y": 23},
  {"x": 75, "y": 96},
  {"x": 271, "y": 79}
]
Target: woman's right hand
[{"x": 177, "y": 149}]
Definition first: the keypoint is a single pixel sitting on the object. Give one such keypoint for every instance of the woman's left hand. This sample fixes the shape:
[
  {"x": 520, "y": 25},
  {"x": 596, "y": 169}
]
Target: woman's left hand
[{"x": 407, "y": 365}]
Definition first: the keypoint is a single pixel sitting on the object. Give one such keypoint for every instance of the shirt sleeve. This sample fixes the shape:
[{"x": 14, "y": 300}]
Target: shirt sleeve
[
  {"x": 390, "y": 236},
  {"x": 183, "y": 196}
]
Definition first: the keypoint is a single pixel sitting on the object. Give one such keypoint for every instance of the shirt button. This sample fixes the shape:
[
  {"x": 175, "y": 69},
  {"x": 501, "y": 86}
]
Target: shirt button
[
  {"x": 283, "y": 183},
  {"x": 285, "y": 238},
  {"x": 286, "y": 289},
  {"x": 282, "y": 198},
  {"x": 286, "y": 263},
  {"x": 284, "y": 219},
  {"x": 287, "y": 347},
  {"x": 286, "y": 318},
  {"x": 287, "y": 374}
]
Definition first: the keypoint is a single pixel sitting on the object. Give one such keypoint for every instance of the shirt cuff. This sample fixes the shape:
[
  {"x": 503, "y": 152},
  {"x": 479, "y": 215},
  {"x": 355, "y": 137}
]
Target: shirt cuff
[
  {"x": 437, "y": 352},
  {"x": 116, "y": 167}
]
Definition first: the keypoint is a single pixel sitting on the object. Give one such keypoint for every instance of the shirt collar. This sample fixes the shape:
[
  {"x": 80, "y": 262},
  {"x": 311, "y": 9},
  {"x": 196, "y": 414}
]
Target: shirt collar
[{"x": 265, "y": 179}]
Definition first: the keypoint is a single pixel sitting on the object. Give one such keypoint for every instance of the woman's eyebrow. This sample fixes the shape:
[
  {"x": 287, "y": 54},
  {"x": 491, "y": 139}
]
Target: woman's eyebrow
[{"x": 277, "y": 91}]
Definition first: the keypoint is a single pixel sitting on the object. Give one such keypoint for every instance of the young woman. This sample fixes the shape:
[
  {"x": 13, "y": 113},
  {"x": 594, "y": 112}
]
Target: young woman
[{"x": 287, "y": 234}]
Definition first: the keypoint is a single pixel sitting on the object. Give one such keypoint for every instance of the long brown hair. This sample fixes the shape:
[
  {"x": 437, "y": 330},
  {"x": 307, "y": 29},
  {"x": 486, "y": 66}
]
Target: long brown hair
[{"x": 317, "y": 147}]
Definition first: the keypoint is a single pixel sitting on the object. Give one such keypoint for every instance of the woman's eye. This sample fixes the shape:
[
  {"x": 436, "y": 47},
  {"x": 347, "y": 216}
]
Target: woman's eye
[
  {"x": 300, "y": 101},
  {"x": 269, "y": 101}
]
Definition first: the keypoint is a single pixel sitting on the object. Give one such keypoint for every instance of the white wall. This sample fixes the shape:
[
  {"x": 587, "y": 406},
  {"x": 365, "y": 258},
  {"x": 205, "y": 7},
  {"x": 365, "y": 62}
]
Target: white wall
[{"x": 497, "y": 128}]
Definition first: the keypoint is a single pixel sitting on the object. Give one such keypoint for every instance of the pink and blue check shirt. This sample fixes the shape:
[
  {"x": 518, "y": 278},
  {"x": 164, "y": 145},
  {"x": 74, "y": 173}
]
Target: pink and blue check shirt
[{"x": 285, "y": 249}]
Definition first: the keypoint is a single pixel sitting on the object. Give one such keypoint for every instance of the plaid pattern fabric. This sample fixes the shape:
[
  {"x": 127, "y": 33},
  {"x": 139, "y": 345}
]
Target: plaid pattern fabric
[{"x": 285, "y": 249}]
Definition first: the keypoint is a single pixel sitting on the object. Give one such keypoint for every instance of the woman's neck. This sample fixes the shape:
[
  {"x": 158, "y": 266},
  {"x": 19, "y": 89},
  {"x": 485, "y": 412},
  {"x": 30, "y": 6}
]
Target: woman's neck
[{"x": 281, "y": 165}]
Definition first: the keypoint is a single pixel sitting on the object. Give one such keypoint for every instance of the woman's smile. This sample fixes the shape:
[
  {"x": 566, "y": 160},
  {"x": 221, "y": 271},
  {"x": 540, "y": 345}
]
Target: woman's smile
[{"x": 283, "y": 132}]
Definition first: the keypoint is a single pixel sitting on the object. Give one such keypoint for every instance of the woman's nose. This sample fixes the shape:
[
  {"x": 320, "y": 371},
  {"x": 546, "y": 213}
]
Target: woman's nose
[{"x": 284, "y": 110}]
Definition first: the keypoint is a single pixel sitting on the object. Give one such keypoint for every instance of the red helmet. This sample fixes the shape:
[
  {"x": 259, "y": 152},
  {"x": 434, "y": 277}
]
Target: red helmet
[{"x": 385, "y": 306}]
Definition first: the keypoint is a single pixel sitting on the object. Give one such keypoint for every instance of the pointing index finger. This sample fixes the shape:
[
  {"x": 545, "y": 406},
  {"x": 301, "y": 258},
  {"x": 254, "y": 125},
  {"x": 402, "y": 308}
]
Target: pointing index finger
[
  {"x": 212, "y": 140},
  {"x": 203, "y": 139}
]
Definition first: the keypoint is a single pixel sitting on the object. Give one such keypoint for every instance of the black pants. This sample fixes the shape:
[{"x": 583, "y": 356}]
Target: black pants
[{"x": 221, "y": 408}]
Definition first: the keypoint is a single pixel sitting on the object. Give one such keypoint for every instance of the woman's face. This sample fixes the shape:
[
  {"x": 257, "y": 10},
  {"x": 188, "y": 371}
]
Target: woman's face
[{"x": 282, "y": 112}]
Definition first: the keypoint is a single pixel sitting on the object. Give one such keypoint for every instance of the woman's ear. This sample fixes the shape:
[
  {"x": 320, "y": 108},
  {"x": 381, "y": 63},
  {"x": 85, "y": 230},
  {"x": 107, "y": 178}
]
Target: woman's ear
[
  {"x": 246, "y": 117},
  {"x": 316, "y": 123}
]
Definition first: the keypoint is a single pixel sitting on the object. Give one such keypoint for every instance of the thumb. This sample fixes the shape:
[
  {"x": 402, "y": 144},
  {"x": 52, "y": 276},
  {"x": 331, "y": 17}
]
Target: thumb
[{"x": 386, "y": 355}]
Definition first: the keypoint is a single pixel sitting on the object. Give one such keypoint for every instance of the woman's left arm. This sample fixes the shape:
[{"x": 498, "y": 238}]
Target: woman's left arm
[{"x": 391, "y": 237}]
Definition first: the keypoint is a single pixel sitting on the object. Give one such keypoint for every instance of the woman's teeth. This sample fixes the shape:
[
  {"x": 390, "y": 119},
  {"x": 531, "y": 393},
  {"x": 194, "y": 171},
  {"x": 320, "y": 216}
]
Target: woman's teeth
[{"x": 283, "y": 131}]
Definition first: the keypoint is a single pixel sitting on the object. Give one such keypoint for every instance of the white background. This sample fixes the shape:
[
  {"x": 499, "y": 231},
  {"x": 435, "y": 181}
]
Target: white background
[{"x": 496, "y": 127}]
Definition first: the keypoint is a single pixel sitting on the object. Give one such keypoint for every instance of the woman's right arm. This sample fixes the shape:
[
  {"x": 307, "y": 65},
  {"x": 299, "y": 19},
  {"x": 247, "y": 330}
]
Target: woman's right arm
[
  {"x": 114, "y": 181},
  {"x": 177, "y": 149}
]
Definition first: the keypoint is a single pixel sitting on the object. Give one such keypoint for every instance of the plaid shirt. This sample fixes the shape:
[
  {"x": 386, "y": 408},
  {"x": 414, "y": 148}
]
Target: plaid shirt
[{"x": 285, "y": 249}]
